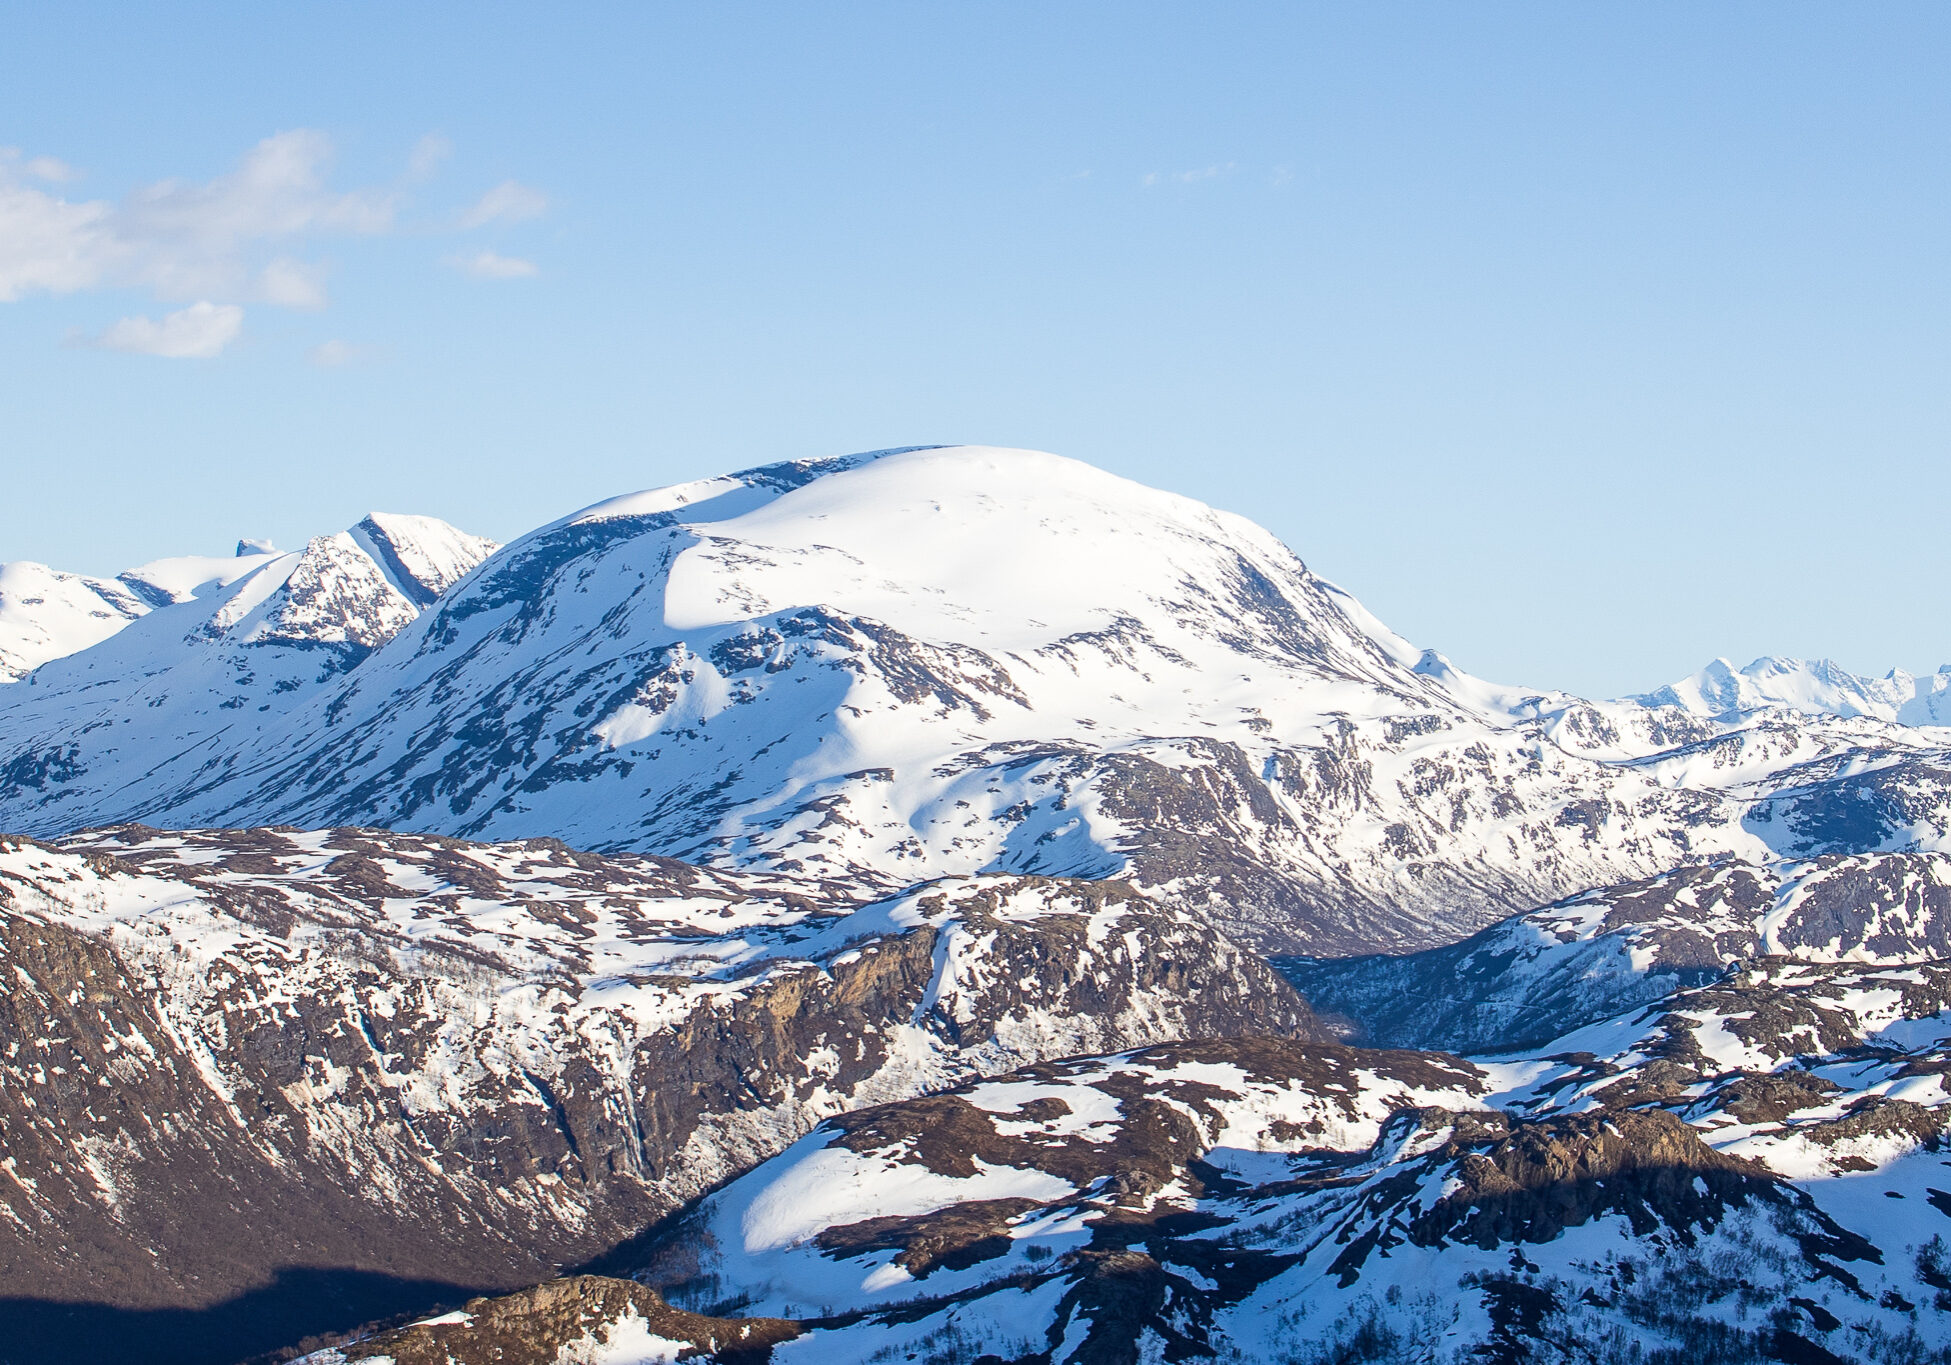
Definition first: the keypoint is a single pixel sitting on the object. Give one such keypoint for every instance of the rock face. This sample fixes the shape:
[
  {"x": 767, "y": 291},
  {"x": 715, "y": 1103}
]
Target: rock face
[
  {"x": 584, "y": 1318},
  {"x": 925, "y": 663},
  {"x": 419, "y": 1063}
]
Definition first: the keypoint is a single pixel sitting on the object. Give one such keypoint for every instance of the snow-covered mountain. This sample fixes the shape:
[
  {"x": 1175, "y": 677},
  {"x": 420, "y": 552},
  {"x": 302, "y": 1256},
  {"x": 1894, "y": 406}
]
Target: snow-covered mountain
[
  {"x": 924, "y": 663},
  {"x": 1815, "y": 686},
  {"x": 46, "y": 614},
  {"x": 939, "y": 1042},
  {"x": 221, "y": 654}
]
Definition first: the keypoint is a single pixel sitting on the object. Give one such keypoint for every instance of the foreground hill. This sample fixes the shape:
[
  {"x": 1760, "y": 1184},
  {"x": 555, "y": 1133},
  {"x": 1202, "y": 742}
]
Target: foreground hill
[
  {"x": 939, "y": 662},
  {"x": 277, "y": 1081}
]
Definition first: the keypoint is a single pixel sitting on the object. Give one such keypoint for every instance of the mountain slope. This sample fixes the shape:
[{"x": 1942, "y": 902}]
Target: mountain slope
[
  {"x": 1532, "y": 977},
  {"x": 224, "y": 650}
]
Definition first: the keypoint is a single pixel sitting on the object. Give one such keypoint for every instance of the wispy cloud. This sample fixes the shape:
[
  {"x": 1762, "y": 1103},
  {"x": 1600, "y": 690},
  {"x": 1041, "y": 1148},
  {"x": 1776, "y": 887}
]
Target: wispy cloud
[
  {"x": 39, "y": 167},
  {"x": 427, "y": 155},
  {"x": 199, "y": 332},
  {"x": 292, "y": 284},
  {"x": 335, "y": 354},
  {"x": 240, "y": 238},
  {"x": 1192, "y": 177},
  {"x": 492, "y": 265},
  {"x": 509, "y": 202}
]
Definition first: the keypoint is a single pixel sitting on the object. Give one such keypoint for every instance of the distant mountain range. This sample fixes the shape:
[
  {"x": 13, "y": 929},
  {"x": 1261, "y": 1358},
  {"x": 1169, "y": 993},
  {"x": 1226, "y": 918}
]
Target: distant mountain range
[
  {"x": 1812, "y": 686},
  {"x": 943, "y": 904}
]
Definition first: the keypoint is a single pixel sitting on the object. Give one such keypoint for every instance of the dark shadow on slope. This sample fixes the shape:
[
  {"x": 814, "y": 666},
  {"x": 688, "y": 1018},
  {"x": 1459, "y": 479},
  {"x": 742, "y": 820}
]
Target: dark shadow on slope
[{"x": 298, "y": 1303}]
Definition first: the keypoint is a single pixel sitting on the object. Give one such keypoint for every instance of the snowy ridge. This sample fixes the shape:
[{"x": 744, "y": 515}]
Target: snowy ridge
[
  {"x": 222, "y": 648},
  {"x": 797, "y": 1237},
  {"x": 46, "y": 614}
]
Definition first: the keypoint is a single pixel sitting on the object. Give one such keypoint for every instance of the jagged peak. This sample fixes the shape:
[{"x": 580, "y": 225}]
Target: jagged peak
[{"x": 1720, "y": 690}]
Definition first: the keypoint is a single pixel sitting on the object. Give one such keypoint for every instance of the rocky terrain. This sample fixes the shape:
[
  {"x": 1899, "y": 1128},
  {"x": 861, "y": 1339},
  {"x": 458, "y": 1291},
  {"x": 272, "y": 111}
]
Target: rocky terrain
[
  {"x": 1532, "y": 977},
  {"x": 427, "y": 1063},
  {"x": 1750, "y": 1169}
]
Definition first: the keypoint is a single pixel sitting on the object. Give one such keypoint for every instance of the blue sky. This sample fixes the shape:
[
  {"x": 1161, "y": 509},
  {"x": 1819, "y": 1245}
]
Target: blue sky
[{"x": 1581, "y": 342}]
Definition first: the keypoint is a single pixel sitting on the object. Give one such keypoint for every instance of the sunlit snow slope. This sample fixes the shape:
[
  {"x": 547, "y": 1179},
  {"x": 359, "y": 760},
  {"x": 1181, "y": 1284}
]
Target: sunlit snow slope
[{"x": 45, "y": 614}]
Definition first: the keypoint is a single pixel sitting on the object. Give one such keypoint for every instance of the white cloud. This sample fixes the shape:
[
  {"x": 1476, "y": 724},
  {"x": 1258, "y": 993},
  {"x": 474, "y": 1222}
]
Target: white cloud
[
  {"x": 508, "y": 200},
  {"x": 49, "y": 245},
  {"x": 332, "y": 355},
  {"x": 292, "y": 284},
  {"x": 235, "y": 239},
  {"x": 198, "y": 332},
  {"x": 50, "y": 168},
  {"x": 427, "y": 155},
  {"x": 184, "y": 239},
  {"x": 492, "y": 265},
  {"x": 38, "y": 167}
]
